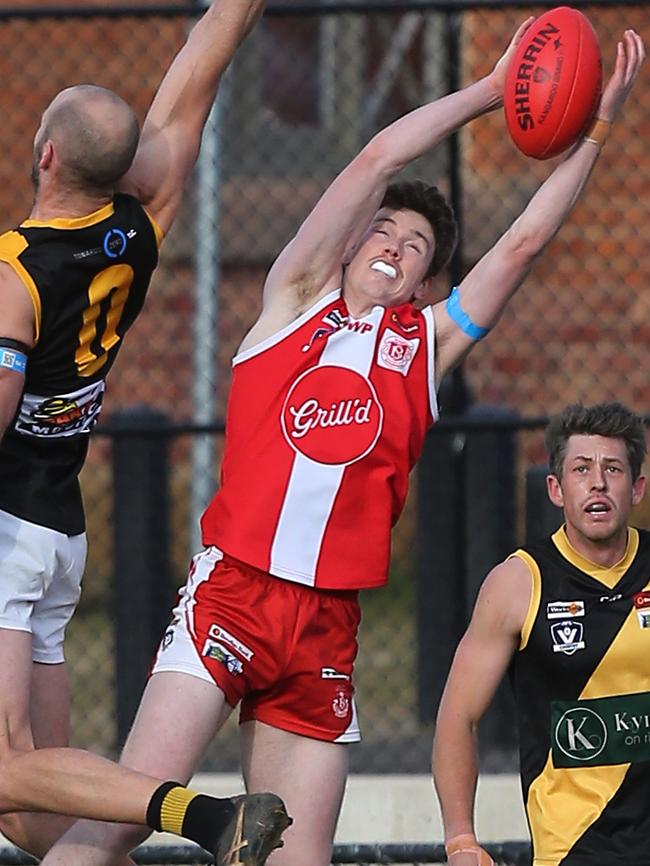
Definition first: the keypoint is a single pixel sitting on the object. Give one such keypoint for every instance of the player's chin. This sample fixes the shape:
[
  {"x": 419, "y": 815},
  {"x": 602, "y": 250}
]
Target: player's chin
[
  {"x": 602, "y": 527},
  {"x": 397, "y": 298}
]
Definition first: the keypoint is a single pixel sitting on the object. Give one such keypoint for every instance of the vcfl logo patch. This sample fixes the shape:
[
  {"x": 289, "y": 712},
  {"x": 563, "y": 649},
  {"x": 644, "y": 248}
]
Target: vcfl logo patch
[{"x": 567, "y": 637}]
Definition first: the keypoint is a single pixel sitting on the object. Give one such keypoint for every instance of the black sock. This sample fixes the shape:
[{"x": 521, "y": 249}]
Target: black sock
[{"x": 179, "y": 810}]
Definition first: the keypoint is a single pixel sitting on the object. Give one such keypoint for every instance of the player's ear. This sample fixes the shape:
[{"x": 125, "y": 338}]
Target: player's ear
[
  {"x": 554, "y": 490},
  {"x": 424, "y": 294},
  {"x": 47, "y": 155},
  {"x": 638, "y": 489}
]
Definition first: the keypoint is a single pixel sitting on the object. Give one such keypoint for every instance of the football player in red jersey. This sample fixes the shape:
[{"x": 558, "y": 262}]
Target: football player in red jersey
[{"x": 333, "y": 390}]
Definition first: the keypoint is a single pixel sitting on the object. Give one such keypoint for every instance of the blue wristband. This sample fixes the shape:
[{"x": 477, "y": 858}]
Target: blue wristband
[
  {"x": 10, "y": 359},
  {"x": 460, "y": 317}
]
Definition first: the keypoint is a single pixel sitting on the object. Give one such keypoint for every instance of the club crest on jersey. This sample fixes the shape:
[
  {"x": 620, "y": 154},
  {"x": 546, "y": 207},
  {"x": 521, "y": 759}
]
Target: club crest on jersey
[
  {"x": 396, "y": 352},
  {"x": 332, "y": 322},
  {"x": 567, "y": 637},
  {"x": 564, "y": 609},
  {"x": 332, "y": 415}
]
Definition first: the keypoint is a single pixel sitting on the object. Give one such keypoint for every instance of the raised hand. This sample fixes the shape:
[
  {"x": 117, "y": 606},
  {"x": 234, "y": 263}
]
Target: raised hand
[
  {"x": 630, "y": 54},
  {"x": 497, "y": 78}
]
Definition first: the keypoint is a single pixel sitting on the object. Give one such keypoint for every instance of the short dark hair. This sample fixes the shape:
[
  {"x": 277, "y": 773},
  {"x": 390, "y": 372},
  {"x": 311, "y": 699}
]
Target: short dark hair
[
  {"x": 431, "y": 203},
  {"x": 603, "y": 419}
]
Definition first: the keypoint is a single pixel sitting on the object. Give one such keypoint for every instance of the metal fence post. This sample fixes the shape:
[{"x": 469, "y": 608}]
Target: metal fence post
[
  {"x": 490, "y": 509},
  {"x": 440, "y": 568},
  {"x": 142, "y": 593}
]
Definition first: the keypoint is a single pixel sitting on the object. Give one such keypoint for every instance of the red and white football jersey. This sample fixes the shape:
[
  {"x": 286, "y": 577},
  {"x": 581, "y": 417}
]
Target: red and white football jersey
[{"x": 325, "y": 421}]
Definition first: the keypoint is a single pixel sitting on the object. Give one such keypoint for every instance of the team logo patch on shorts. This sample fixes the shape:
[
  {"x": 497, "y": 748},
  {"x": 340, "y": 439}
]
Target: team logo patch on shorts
[
  {"x": 214, "y": 650},
  {"x": 341, "y": 704}
]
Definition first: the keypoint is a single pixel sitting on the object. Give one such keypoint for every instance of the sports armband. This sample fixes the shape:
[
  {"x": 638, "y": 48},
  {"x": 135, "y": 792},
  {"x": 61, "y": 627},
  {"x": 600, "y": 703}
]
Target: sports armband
[
  {"x": 458, "y": 315},
  {"x": 13, "y": 355},
  {"x": 598, "y": 132},
  {"x": 467, "y": 844}
]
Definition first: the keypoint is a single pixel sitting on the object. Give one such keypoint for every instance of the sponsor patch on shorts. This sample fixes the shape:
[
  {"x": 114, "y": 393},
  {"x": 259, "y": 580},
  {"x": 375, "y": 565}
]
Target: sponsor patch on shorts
[
  {"x": 333, "y": 674},
  {"x": 219, "y": 633}
]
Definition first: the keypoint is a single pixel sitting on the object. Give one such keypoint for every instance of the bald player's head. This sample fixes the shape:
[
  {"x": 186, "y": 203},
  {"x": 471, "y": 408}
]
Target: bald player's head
[{"x": 95, "y": 136}]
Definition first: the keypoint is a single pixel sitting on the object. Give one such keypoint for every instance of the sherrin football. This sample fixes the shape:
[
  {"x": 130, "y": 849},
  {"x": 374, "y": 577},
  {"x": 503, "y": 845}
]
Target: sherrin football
[{"x": 553, "y": 83}]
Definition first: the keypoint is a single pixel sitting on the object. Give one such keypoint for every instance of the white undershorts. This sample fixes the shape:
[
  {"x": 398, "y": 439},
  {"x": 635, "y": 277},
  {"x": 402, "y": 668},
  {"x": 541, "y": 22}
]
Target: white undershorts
[{"x": 40, "y": 583}]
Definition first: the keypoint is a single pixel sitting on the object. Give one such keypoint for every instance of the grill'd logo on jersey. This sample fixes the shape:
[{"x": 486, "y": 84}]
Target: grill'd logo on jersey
[{"x": 332, "y": 415}]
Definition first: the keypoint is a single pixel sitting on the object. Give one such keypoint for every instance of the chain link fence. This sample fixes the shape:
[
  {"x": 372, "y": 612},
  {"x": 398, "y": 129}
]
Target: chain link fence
[
  {"x": 305, "y": 92},
  {"x": 508, "y": 853}
]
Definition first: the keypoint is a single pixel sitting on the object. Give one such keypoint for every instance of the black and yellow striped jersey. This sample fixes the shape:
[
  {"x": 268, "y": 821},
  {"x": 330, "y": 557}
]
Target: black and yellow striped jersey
[
  {"x": 582, "y": 687},
  {"x": 87, "y": 278}
]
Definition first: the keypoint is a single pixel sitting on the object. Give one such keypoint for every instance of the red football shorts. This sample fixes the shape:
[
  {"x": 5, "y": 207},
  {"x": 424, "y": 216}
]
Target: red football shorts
[{"x": 285, "y": 650}]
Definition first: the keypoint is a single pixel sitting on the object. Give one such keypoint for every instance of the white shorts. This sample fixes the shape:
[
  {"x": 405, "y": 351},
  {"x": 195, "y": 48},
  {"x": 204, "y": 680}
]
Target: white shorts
[{"x": 40, "y": 583}]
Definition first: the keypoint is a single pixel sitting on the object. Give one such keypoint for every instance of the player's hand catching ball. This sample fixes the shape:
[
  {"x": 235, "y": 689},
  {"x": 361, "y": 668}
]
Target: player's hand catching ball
[
  {"x": 497, "y": 78},
  {"x": 630, "y": 54}
]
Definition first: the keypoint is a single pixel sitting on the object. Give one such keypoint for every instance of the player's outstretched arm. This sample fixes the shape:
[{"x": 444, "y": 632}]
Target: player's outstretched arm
[
  {"x": 480, "y": 662},
  {"x": 171, "y": 135},
  {"x": 488, "y": 287},
  {"x": 17, "y": 333},
  {"x": 311, "y": 263}
]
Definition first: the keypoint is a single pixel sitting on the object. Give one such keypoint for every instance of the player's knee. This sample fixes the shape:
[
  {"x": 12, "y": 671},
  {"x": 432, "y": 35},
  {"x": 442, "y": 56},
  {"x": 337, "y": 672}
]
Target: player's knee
[
  {"x": 15, "y": 737},
  {"x": 11, "y": 826},
  {"x": 12, "y": 777}
]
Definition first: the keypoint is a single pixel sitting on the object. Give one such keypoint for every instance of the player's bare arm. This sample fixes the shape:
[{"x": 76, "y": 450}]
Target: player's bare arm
[
  {"x": 171, "y": 135},
  {"x": 486, "y": 290},
  {"x": 311, "y": 264},
  {"x": 17, "y": 330},
  {"x": 479, "y": 664}
]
